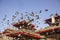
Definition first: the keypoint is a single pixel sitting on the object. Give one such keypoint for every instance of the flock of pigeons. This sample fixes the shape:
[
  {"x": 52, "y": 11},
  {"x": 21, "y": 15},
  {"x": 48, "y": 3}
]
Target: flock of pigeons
[{"x": 27, "y": 16}]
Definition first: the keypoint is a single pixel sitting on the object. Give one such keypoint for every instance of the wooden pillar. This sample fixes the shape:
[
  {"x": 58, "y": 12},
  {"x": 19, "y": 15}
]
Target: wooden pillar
[{"x": 56, "y": 36}]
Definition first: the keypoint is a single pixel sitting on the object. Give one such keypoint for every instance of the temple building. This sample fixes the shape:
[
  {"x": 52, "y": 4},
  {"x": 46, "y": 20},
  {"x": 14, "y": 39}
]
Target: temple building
[
  {"x": 24, "y": 30},
  {"x": 52, "y": 32}
]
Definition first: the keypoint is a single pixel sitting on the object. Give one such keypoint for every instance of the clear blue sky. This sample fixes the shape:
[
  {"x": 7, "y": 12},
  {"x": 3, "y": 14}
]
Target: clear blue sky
[{"x": 9, "y": 7}]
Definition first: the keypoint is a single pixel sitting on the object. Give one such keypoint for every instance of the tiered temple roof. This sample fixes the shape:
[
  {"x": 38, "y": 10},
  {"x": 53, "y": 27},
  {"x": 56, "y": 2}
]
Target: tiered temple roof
[
  {"x": 51, "y": 29},
  {"x": 28, "y": 33},
  {"x": 23, "y": 29}
]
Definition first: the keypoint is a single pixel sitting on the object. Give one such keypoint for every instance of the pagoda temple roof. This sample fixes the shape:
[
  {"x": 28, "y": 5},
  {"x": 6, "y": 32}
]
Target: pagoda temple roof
[
  {"x": 50, "y": 18},
  {"x": 18, "y": 24},
  {"x": 24, "y": 32},
  {"x": 49, "y": 29}
]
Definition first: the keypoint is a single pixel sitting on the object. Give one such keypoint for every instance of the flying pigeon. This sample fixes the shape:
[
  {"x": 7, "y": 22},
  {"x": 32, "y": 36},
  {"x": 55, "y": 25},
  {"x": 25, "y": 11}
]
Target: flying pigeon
[
  {"x": 13, "y": 17},
  {"x": 37, "y": 16},
  {"x": 32, "y": 14},
  {"x": 46, "y": 9},
  {"x": 8, "y": 22},
  {"x": 40, "y": 11},
  {"x": 4, "y": 19},
  {"x": 5, "y": 15},
  {"x": 16, "y": 13}
]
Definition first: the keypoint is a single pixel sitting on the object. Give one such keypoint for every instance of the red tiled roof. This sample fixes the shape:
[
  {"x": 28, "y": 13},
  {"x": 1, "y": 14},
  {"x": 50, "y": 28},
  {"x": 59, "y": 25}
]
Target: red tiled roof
[
  {"x": 18, "y": 24},
  {"x": 28, "y": 34},
  {"x": 50, "y": 18},
  {"x": 22, "y": 23},
  {"x": 14, "y": 34},
  {"x": 49, "y": 29}
]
